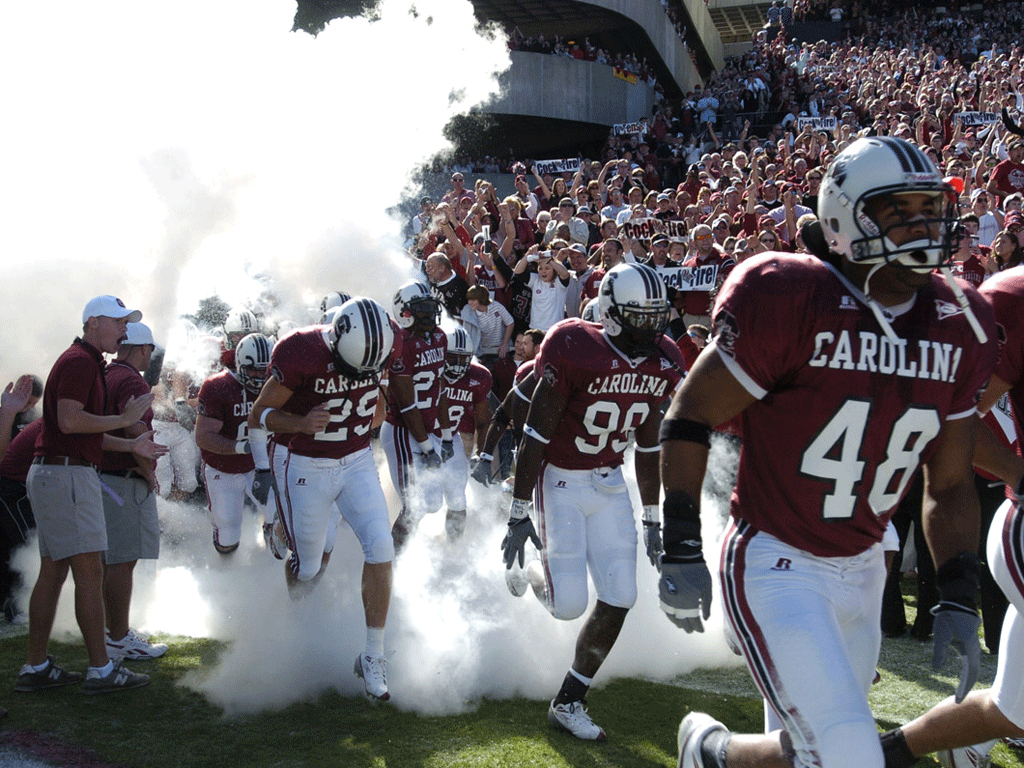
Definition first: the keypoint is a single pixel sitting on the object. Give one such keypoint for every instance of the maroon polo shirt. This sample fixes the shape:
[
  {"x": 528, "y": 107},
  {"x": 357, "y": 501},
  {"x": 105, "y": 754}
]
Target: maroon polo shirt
[{"x": 77, "y": 375}]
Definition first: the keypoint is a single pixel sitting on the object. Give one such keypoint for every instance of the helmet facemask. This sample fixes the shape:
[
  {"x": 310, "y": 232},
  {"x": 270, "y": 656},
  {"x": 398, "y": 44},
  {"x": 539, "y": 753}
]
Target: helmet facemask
[
  {"x": 252, "y": 378},
  {"x": 874, "y": 245},
  {"x": 427, "y": 312},
  {"x": 456, "y": 365},
  {"x": 641, "y": 328}
]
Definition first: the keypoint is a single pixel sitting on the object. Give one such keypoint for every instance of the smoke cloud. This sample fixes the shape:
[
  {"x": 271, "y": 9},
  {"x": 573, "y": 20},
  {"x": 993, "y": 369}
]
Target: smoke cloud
[{"x": 164, "y": 154}]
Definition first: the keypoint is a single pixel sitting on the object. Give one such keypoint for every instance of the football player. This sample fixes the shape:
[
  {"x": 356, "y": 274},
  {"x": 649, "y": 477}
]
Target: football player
[
  {"x": 331, "y": 301},
  {"x": 868, "y": 370},
  {"x": 510, "y": 416},
  {"x": 596, "y": 388},
  {"x": 963, "y": 733},
  {"x": 237, "y": 325},
  {"x": 466, "y": 386},
  {"x": 322, "y": 390},
  {"x": 417, "y": 411},
  {"x": 222, "y": 434}
]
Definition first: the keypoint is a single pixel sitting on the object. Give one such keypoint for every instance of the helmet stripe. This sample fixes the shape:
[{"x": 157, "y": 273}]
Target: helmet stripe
[
  {"x": 372, "y": 331},
  {"x": 911, "y": 158},
  {"x": 652, "y": 282},
  {"x": 263, "y": 350}
]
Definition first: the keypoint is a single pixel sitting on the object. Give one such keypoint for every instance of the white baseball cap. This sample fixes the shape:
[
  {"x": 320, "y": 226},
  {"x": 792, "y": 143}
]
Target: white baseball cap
[
  {"x": 139, "y": 333},
  {"x": 110, "y": 306}
]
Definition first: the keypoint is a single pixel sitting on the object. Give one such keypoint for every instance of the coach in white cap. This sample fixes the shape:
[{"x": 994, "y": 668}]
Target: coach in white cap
[{"x": 64, "y": 490}]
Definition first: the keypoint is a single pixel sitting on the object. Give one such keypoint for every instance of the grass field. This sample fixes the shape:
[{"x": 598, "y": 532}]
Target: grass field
[{"x": 169, "y": 724}]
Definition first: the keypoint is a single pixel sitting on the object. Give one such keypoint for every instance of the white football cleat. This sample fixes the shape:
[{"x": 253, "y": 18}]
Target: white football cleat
[
  {"x": 692, "y": 731},
  {"x": 975, "y": 756},
  {"x": 373, "y": 671},
  {"x": 572, "y": 717},
  {"x": 516, "y": 581}
]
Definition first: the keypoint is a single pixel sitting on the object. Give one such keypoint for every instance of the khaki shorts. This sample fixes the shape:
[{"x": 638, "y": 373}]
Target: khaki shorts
[
  {"x": 69, "y": 510},
  {"x": 133, "y": 529}
]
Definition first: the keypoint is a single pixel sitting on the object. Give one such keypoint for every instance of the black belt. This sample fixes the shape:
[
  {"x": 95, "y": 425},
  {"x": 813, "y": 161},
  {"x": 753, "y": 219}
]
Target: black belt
[{"x": 63, "y": 461}]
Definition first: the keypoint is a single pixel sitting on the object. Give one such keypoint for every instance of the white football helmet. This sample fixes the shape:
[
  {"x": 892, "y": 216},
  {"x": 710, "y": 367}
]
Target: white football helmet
[
  {"x": 239, "y": 323},
  {"x": 361, "y": 338},
  {"x": 590, "y": 312},
  {"x": 880, "y": 167},
  {"x": 333, "y": 299},
  {"x": 416, "y": 307},
  {"x": 632, "y": 303},
  {"x": 460, "y": 355},
  {"x": 252, "y": 358}
]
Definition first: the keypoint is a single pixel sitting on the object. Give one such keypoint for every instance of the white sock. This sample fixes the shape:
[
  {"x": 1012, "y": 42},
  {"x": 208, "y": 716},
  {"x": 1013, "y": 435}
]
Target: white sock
[
  {"x": 37, "y": 667},
  {"x": 101, "y": 671},
  {"x": 585, "y": 680},
  {"x": 374, "y": 641}
]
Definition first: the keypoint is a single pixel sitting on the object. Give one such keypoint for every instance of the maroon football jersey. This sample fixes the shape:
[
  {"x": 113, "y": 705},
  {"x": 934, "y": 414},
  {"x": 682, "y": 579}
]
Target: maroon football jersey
[
  {"x": 525, "y": 369},
  {"x": 302, "y": 361},
  {"x": 223, "y": 398},
  {"x": 609, "y": 395},
  {"x": 123, "y": 383},
  {"x": 423, "y": 359},
  {"x": 844, "y": 416},
  {"x": 465, "y": 395},
  {"x": 1004, "y": 292}
]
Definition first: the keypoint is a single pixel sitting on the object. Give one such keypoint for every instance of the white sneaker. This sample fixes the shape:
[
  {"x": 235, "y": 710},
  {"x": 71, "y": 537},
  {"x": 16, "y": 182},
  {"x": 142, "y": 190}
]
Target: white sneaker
[
  {"x": 692, "y": 730},
  {"x": 134, "y": 647},
  {"x": 976, "y": 756},
  {"x": 373, "y": 671},
  {"x": 572, "y": 717}
]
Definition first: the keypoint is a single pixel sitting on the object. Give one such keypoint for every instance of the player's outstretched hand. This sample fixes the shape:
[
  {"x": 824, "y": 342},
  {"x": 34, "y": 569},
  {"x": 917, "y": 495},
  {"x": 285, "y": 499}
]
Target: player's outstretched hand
[
  {"x": 957, "y": 626},
  {"x": 520, "y": 528},
  {"x": 262, "y": 484},
  {"x": 684, "y": 590}
]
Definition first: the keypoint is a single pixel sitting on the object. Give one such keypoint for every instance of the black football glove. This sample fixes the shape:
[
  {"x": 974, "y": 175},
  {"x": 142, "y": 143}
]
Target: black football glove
[
  {"x": 520, "y": 528},
  {"x": 684, "y": 588},
  {"x": 956, "y": 618},
  {"x": 262, "y": 484},
  {"x": 429, "y": 460},
  {"x": 481, "y": 471}
]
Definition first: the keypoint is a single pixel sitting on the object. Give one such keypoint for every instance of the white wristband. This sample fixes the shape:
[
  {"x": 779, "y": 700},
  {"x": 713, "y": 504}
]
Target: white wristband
[
  {"x": 258, "y": 446},
  {"x": 651, "y": 514},
  {"x": 485, "y": 456},
  {"x": 535, "y": 435},
  {"x": 242, "y": 446},
  {"x": 263, "y": 417},
  {"x": 447, "y": 434},
  {"x": 518, "y": 509},
  {"x": 426, "y": 446}
]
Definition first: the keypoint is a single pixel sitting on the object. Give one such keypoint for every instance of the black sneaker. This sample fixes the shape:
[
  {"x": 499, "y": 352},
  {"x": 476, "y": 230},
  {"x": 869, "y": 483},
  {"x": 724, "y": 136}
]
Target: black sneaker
[
  {"x": 119, "y": 679},
  {"x": 52, "y": 676}
]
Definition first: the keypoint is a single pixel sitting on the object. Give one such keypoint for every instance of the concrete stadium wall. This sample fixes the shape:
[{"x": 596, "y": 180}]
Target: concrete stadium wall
[
  {"x": 651, "y": 17},
  {"x": 567, "y": 89}
]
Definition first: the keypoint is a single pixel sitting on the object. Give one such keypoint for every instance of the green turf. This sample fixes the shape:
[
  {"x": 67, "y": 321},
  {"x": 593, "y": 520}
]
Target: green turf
[{"x": 168, "y": 725}]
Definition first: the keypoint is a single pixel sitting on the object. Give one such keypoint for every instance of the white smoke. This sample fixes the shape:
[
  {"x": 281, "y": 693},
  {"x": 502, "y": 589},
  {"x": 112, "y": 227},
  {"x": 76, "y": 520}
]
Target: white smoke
[{"x": 166, "y": 153}]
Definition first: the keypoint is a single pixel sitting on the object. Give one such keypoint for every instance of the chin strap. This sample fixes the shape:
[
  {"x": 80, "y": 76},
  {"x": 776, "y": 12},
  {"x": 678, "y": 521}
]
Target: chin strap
[
  {"x": 876, "y": 308},
  {"x": 958, "y": 292}
]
